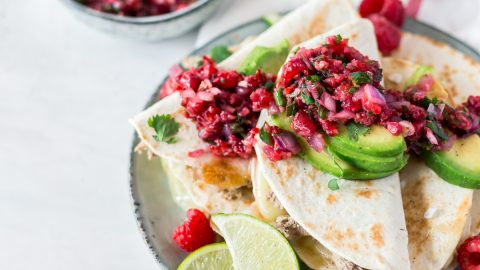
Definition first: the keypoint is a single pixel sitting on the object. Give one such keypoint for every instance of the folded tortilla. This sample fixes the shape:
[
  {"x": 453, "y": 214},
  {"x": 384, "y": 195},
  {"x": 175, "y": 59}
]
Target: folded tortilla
[
  {"x": 206, "y": 175},
  {"x": 362, "y": 222},
  {"x": 309, "y": 20},
  {"x": 433, "y": 241}
]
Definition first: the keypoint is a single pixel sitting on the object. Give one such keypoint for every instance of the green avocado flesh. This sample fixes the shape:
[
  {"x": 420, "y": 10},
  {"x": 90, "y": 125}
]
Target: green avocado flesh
[
  {"x": 377, "y": 141},
  {"x": 368, "y": 162},
  {"x": 460, "y": 165},
  {"x": 269, "y": 60},
  {"x": 332, "y": 164}
]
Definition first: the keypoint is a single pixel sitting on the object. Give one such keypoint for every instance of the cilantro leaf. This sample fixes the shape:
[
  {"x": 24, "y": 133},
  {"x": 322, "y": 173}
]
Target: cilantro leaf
[
  {"x": 165, "y": 128},
  {"x": 359, "y": 78},
  {"x": 333, "y": 184},
  {"x": 354, "y": 130},
  {"x": 266, "y": 137},
  {"x": 338, "y": 39},
  {"x": 437, "y": 130},
  {"x": 220, "y": 53}
]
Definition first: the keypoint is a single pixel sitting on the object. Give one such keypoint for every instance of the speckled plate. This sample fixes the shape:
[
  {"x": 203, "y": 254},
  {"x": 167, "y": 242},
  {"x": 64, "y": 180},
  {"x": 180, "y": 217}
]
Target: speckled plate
[{"x": 156, "y": 212}]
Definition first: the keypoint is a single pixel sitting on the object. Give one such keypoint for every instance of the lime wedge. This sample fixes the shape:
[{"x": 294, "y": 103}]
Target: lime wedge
[
  {"x": 255, "y": 244},
  {"x": 211, "y": 257}
]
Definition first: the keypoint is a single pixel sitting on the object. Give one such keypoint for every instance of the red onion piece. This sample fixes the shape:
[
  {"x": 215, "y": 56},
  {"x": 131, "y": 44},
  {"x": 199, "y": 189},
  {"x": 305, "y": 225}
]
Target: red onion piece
[
  {"x": 431, "y": 137},
  {"x": 328, "y": 102},
  {"x": 371, "y": 94},
  {"x": 407, "y": 127},
  {"x": 316, "y": 142},
  {"x": 342, "y": 116},
  {"x": 226, "y": 130},
  {"x": 205, "y": 96},
  {"x": 449, "y": 143},
  {"x": 189, "y": 93},
  {"x": 399, "y": 104},
  {"x": 286, "y": 142},
  {"x": 214, "y": 91}
]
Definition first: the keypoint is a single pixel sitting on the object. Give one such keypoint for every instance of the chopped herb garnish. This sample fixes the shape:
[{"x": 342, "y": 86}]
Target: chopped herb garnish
[
  {"x": 437, "y": 131},
  {"x": 322, "y": 112},
  {"x": 291, "y": 109},
  {"x": 354, "y": 130},
  {"x": 359, "y": 78},
  {"x": 269, "y": 85},
  {"x": 165, "y": 128},
  {"x": 338, "y": 39},
  {"x": 353, "y": 90},
  {"x": 333, "y": 184},
  {"x": 307, "y": 99},
  {"x": 313, "y": 78},
  {"x": 220, "y": 53},
  {"x": 279, "y": 97},
  {"x": 265, "y": 137}
]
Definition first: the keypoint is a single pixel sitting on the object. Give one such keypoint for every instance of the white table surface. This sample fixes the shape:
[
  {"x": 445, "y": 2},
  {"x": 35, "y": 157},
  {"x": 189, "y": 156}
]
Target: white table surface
[{"x": 66, "y": 92}]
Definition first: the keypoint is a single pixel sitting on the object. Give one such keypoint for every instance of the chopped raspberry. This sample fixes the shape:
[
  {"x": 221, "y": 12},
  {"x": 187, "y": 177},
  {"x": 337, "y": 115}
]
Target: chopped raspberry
[
  {"x": 468, "y": 254},
  {"x": 303, "y": 125},
  {"x": 394, "y": 128},
  {"x": 388, "y": 35},
  {"x": 195, "y": 232},
  {"x": 275, "y": 155},
  {"x": 394, "y": 11},
  {"x": 368, "y": 7}
]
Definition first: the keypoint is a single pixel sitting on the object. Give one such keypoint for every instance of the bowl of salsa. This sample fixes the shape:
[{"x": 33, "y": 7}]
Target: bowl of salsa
[{"x": 149, "y": 20}]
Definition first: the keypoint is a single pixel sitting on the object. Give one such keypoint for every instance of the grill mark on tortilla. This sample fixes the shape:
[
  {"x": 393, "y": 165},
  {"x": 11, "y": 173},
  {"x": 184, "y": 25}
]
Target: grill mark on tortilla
[
  {"x": 331, "y": 199},
  {"x": 366, "y": 193},
  {"x": 289, "y": 171},
  {"x": 376, "y": 234}
]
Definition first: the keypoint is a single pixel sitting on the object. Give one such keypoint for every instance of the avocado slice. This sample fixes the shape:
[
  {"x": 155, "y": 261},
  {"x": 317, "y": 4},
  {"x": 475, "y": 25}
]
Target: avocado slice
[
  {"x": 377, "y": 141},
  {"x": 269, "y": 60},
  {"x": 328, "y": 163},
  {"x": 368, "y": 162},
  {"x": 460, "y": 165}
]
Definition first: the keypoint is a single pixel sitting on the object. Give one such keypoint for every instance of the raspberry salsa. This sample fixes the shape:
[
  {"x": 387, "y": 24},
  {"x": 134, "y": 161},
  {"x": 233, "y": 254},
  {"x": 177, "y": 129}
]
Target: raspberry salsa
[
  {"x": 324, "y": 88},
  {"x": 137, "y": 8}
]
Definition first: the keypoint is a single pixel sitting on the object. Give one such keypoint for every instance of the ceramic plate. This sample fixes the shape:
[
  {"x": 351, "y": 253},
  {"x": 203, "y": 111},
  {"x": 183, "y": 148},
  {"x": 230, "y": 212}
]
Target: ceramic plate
[{"x": 156, "y": 212}]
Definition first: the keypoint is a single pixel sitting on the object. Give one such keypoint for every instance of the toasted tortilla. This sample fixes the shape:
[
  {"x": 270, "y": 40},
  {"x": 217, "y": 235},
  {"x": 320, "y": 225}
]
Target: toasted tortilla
[
  {"x": 362, "y": 222},
  {"x": 220, "y": 174},
  {"x": 311, "y": 19},
  {"x": 436, "y": 213},
  {"x": 458, "y": 73},
  {"x": 475, "y": 221},
  {"x": 433, "y": 241}
]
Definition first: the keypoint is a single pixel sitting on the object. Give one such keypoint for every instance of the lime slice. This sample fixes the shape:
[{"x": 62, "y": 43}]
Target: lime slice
[
  {"x": 211, "y": 257},
  {"x": 255, "y": 244}
]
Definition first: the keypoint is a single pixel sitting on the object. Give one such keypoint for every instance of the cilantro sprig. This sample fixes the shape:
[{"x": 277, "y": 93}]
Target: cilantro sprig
[
  {"x": 354, "y": 130},
  {"x": 165, "y": 128}
]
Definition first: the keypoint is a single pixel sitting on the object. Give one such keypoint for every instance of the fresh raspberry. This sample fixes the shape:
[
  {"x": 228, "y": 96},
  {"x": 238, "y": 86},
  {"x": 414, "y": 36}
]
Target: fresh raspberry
[
  {"x": 368, "y": 7},
  {"x": 468, "y": 254},
  {"x": 195, "y": 232},
  {"x": 394, "y": 11},
  {"x": 303, "y": 125},
  {"x": 388, "y": 35}
]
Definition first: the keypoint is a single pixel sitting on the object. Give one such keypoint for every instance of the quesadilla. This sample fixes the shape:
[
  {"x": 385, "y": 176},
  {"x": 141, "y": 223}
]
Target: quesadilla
[
  {"x": 223, "y": 184},
  {"x": 362, "y": 222},
  {"x": 437, "y": 213}
]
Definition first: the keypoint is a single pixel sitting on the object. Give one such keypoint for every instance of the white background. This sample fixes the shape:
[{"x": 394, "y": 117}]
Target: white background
[{"x": 66, "y": 92}]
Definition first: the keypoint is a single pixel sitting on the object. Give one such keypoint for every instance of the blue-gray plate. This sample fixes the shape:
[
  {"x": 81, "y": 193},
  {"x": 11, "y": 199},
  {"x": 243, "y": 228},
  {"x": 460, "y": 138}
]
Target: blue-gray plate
[{"x": 156, "y": 212}]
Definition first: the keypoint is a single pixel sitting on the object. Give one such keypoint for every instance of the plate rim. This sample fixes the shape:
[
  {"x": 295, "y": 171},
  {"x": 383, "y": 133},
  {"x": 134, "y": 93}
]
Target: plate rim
[{"x": 135, "y": 204}]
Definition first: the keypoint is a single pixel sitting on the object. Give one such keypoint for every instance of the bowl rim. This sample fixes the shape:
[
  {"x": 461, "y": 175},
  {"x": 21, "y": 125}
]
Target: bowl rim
[
  {"x": 466, "y": 49},
  {"x": 138, "y": 20}
]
